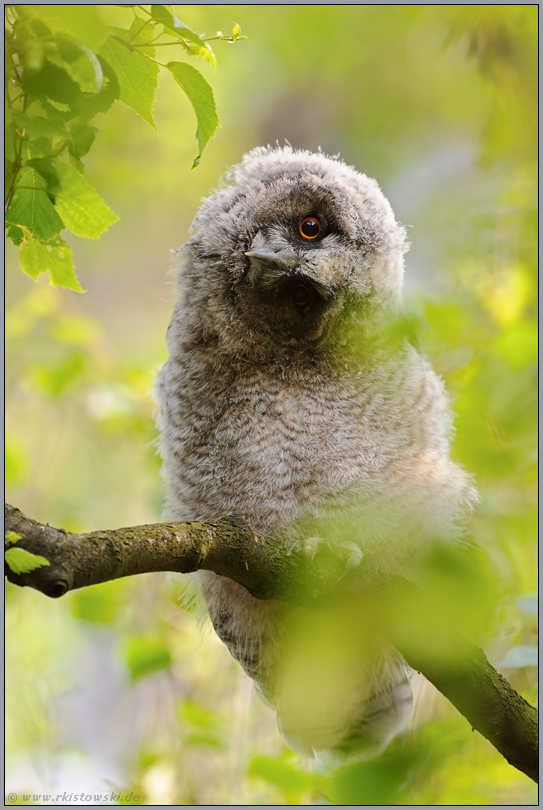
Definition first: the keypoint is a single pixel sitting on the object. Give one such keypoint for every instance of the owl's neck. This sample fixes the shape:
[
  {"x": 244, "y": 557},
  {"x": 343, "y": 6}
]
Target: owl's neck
[{"x": 359, "y": 344}]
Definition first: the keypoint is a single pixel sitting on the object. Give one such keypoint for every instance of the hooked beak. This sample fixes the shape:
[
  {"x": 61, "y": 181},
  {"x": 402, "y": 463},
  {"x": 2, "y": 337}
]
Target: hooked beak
[{"x": 282, "y": 259}]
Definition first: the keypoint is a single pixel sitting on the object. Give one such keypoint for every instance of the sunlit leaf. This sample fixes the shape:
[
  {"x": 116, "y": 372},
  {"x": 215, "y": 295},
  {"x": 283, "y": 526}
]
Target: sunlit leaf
[
  {"x": 36, "y": 257},
  {"x": 136, "y": 74},
  {"x": 162, "y": 15},
  {"x": 31, "y": 208},
  {"x": 193, "y": 43},
  {"x": 21, "y": 561},
  {"x": 200, "y": 96},
  {"x": 79, "y": 21},
  {"x": 203, "y": 51},
  {"x": 80, "y": 207}
]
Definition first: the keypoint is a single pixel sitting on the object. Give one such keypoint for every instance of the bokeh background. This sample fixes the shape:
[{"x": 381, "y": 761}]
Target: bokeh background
[{"x": 438, "y": 102}]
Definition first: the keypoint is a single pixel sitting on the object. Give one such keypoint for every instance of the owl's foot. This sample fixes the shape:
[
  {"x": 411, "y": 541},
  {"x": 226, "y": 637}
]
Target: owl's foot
[
  {"x": 311, "y": 546},
  {"x": 352, "y": 554},
  {"x": 349, "y": 552}
]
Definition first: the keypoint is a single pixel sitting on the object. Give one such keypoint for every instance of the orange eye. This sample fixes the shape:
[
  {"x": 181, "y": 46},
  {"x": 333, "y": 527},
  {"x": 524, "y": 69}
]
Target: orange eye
[{"x": 310, "y": 227}]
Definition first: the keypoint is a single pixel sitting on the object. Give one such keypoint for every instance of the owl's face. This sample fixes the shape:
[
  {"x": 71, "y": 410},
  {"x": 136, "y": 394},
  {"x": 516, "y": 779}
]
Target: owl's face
[{"x": 292, "y": 242}]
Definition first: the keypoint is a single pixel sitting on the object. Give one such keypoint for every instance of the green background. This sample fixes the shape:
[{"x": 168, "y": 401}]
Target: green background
[{"x": 114, "y": 686}]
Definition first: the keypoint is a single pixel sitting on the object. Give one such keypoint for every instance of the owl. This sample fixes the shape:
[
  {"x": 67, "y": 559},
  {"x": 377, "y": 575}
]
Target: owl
[{"x": 291, "y": 400}]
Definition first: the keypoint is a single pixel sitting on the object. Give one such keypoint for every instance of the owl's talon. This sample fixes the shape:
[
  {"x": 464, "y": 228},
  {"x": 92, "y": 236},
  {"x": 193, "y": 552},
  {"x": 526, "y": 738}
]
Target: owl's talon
[
  {"x": 347, "y": 551},
  {"x": 311, "y": 546},
  {"x": 353, "y": 555}
]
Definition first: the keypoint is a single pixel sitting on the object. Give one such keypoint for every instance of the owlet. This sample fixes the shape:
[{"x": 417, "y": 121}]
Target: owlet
[{"x": 290, "y": 400}]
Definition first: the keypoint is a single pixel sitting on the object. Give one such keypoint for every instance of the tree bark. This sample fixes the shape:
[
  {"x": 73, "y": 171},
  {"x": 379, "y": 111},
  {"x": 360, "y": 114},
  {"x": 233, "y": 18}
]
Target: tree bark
[{"x": 457, "y": 668}]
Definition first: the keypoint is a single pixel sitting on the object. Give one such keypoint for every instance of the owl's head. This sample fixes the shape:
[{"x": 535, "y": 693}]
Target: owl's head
[{"x": 295, "y": 239}]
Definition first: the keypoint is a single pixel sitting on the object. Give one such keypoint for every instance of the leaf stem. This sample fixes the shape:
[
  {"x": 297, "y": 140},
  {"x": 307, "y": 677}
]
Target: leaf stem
[
  {"x": 135, "y": 48},
  {"x": 135, "y": 34}
]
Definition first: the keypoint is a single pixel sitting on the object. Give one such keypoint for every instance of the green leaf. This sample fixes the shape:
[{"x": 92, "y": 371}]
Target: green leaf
[
  {"x": 12, "y": 537},
  {"x": 82, "y": 139},
  {"x": 52, "y": 82},
  {"x": 8, "y": 176},
  {"x": 36, "y": 257},
  {"x": 78, "y": 61},
  {"x": 78, "y": 21},
  {"x": 76, "y": 162},
  {"x": 33, "y": 54},
  {"x": 34, "y": 126},
  {"x": 48, "y": 170},
  {"x": 21, "y": 561},
  {"x": 55, "y": 90},
  {"x": 194, "y": 44},
  {"x": 31, "y": 208},
  {"x": 145, "y": 654},
  {"x": 137, "y": 75},
  {"x": 80, "y": 207},
  {"x": 161, "y": 15},
  {"x": 200, "y": 96},
  {"x": 15, "y": 234},
  {"x": 203, "y": 52},
  {"x": 87, "y": 105}
]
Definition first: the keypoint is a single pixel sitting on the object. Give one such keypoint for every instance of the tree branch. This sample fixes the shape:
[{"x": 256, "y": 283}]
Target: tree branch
[{"x": 458, "y": 669}]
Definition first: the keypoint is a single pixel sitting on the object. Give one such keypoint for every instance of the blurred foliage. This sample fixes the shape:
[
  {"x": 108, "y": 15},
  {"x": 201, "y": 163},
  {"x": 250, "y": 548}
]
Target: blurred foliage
[
  {"x": 64, "y": 65},
  {"x": 113, "y": 686}
]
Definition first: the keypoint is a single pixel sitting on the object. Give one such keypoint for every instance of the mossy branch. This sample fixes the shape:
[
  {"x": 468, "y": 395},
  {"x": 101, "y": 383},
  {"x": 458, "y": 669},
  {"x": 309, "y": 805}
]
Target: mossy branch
[{"x": 460, "y": 670}]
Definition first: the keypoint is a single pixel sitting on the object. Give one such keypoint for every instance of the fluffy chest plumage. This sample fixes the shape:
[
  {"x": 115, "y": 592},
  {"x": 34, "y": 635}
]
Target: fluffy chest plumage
[{"x": 266, "y": 449}]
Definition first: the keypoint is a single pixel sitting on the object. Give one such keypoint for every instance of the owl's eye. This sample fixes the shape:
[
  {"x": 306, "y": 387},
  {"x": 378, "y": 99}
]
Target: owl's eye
[
  {"x": 300, "y": 295},
  {"x": 310, "y": 227}
]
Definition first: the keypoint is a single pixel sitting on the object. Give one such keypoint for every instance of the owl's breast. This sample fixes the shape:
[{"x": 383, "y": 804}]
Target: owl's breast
[{"x": 270, "y": 449}]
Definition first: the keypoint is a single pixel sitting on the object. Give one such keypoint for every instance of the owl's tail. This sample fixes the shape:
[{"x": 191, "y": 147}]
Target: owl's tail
[{"x": 383, "y": 716}]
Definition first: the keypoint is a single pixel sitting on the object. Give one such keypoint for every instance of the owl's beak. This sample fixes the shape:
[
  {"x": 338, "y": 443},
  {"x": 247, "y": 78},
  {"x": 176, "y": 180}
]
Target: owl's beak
[{"x": 283, "y": 259}]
